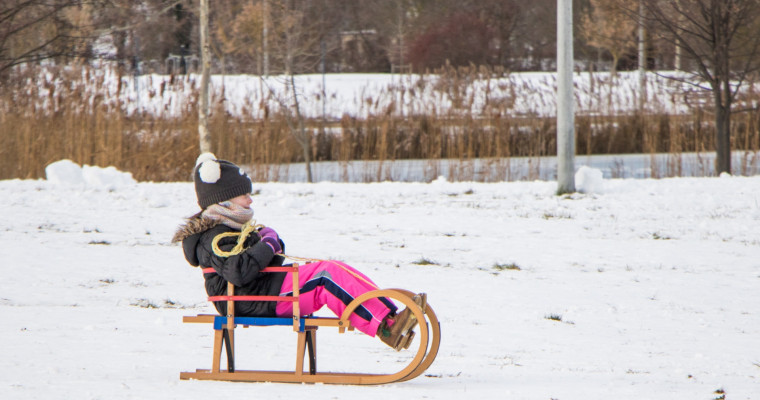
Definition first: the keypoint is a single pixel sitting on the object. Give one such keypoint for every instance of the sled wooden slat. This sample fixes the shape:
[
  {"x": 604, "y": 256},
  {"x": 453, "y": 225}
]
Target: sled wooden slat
[
  {"x": 305, "y": 328},
  {"x": 290, "y": 377},
  {"x": 200, "y": 318}
]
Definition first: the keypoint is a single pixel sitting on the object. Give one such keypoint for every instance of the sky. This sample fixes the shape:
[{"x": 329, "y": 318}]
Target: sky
[{"x": 635, "y": 289}]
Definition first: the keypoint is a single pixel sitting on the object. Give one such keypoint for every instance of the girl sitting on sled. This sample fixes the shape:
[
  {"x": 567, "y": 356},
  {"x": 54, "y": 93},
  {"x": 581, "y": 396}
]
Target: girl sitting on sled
[{"x": 223, "y": 191}]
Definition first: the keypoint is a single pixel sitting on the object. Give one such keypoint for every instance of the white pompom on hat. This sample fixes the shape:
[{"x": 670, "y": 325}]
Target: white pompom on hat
[
  {"x": 210, "y": 171},
  {"x": 218, "y": 180},
  {"x": 205, "y": 157}
]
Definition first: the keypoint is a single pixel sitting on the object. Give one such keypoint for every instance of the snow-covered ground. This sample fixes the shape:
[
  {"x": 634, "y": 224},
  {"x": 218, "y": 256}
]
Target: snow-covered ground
[{"x": 638, "y": 289}]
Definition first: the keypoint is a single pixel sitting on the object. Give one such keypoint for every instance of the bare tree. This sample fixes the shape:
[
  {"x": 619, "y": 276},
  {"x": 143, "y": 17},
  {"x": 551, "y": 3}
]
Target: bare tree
[
  {"x": 203, "y": 133},
  {"x": 298, "y": 46},
  {"x": 721, "y": 38},
  {"x": 297, "y": 38},
  {"x": 240, "y": 32},
  {"x": 392, "y": 21},
  {"x": 32, "y": 31},
  {"x": 507, "y": 20},
  {"x": 609, "y": 28},
  {"x": 145, "y": 30},
  {"x": 292, "y": 45},
  {"x": 290, "y": 106}
]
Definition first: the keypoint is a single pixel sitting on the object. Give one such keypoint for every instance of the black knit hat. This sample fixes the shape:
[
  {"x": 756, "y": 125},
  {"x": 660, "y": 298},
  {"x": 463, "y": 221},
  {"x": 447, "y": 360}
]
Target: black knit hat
[{"x": 218, "y": 180}]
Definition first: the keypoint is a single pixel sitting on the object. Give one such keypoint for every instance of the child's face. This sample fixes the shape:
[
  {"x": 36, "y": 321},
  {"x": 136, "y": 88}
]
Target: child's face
[{"x": 244, "y": 200}]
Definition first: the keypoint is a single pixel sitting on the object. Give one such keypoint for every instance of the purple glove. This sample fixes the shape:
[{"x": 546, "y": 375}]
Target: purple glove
[{"x": 269, "y": 236}]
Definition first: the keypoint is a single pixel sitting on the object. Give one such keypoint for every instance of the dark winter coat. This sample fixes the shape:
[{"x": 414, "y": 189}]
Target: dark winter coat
[{"x": 242, "y": 270}]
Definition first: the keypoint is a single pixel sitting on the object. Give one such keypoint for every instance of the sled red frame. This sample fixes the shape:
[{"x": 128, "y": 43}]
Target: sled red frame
[{"x": 428, "y": 337}]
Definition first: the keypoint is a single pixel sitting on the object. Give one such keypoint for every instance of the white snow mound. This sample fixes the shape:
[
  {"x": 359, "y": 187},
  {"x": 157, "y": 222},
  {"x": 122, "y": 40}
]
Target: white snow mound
[
  {"x": 589, "y": 180},
  {"x": 69, "y": 173}
]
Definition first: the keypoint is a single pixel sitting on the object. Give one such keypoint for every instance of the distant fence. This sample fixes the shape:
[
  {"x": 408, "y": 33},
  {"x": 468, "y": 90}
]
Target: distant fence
[{"x": 624, "y": 166}]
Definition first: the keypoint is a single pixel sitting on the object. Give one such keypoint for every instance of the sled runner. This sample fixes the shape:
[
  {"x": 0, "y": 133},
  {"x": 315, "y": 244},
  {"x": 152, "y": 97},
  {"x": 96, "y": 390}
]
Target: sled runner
[{"x": 428, "y": 339}]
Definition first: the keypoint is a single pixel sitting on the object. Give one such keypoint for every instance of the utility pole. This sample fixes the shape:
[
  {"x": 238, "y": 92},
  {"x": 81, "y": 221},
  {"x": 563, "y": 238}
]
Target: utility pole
[
  {"x": 203, "y": 133},
  {"x": 565, "y": 112},
  {"x": 642, "y": 59}
]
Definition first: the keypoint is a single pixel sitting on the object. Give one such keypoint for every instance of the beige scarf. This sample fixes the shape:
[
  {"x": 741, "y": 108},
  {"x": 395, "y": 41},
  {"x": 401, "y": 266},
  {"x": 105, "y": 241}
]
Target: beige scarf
[{"x": 229, "y": 214}]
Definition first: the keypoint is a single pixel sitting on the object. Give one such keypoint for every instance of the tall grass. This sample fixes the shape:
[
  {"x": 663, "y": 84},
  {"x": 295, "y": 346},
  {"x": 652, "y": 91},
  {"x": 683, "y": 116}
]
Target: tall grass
[{"x": 74, "y": 114}]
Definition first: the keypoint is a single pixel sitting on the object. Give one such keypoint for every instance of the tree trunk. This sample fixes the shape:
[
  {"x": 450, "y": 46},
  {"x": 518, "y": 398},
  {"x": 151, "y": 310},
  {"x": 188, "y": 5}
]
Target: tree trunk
[
  {"x": 723, "y": 98},
  {"x": 722, "y": 135},
  {"x": 265, "y": 38},
  {"x": 306, "y": 147},
  {"x": 203, "y": 133},
  {"x": 302, "y": 136}
]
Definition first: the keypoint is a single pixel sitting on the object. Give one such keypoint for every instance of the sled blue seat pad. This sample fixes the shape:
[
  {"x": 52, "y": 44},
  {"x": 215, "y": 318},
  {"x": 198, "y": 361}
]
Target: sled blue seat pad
[{"x": 220, "y": 321}]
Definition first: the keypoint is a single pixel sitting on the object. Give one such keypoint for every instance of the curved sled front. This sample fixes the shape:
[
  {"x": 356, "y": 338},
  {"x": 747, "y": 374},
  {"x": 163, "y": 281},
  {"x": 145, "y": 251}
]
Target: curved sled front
[
  {"x": 435, "y": 339},
  {"x": 428, "y": 339}
]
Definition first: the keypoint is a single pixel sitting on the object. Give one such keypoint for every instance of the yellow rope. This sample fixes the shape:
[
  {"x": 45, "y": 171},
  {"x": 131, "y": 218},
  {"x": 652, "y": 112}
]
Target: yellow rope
[{"x": 249, "y": 227}]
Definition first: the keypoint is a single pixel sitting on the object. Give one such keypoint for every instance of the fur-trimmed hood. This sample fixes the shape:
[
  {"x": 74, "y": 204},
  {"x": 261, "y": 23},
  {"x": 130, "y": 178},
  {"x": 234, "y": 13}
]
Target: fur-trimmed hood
[
  {"x": 194, "y": 225},
  {"x": 190, "y": 234}
]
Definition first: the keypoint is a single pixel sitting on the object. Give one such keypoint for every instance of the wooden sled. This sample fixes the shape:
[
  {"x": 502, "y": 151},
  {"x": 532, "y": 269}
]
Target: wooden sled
[{"x": 428, "y": 336}]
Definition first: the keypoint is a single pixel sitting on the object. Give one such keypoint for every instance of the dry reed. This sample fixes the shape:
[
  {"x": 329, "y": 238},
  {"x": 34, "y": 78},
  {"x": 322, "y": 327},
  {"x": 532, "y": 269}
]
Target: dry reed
[{"x": 66, "y": 117}]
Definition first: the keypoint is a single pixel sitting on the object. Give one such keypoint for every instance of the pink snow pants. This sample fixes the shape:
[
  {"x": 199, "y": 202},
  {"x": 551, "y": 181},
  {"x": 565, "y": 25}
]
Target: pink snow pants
[{"x": 335, "y": 284}]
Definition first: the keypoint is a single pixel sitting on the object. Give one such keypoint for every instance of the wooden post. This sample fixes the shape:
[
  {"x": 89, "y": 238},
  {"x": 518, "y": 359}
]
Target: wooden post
[
  {"x": 231, "y": 320},
  {"x": 218, "y": 344},
  {"x": 296, "y": 307},
  {"x": 300, "y": 349}
]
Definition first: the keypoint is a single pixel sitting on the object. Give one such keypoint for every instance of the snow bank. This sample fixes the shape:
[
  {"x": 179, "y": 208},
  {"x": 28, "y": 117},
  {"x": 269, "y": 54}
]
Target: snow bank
[{"x": 69, "y": 173}]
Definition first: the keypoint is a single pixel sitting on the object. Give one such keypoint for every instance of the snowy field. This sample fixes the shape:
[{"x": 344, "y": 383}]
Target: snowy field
[{"x": 639, "y": 289}]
